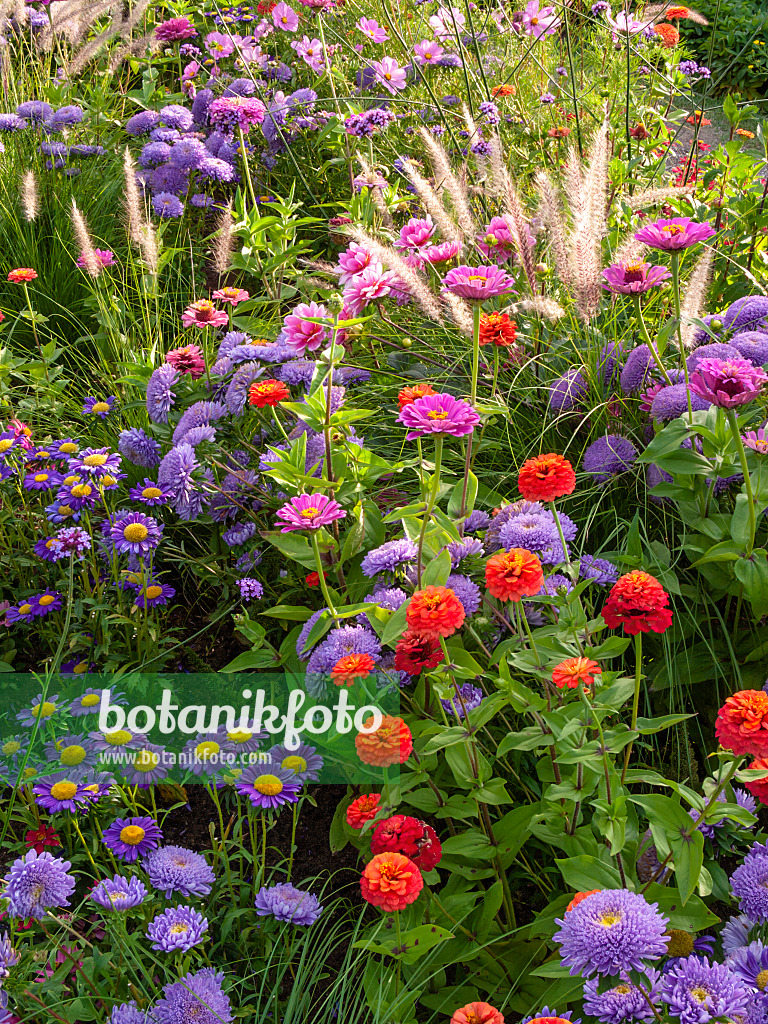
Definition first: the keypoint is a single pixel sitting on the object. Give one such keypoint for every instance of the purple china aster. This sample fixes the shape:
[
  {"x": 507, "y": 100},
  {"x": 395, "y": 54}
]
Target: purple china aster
[
  {"x": 119, "y": 893},
  {"x": 59, "y": 793},
  {"x": 743, "y": 799},
  {"x": 671, "y": 402},
  {"x": 148, "y": 493},
  {"x": 478, "y": 283},
  {"x": 146, "y": 767},
  {"x": 752, "y": 345},
  {"x": 556, "y": 585},
  {"x": 135, "y": 533},
  {"x": 750, "y": 963},
  {"x": 341, "y": 642},
  {"x": 468, "y": 592},
  {"x": 177, "y": 929},
  {"x": 477, "y": 520},
  {"x": 677, "y": 233},
  {"x": 603, "y": 572},
  {"x": 567, "y": 390},
  {"x": 610, "y": 931},
  {"x": 177, "y": 476},
  {"x": 533, "y": 531},
  {"x": 388, "y": 557},
  {"x": 131, "y": 838},
  {"x": 633, "y": 278},
  {"x": 697, "y": 991},
  {"x": 72, "y": 751},
  {"x": 268, "y": 787},
  {"x": 174, "y": 869},
  {"x": 139, "y": 448},
  {"x": 9, "y": 957},
  {"x": 470, "y": 547},
  {"x": 197, "y": 997},
  {"x": 160, "y": 396},
  {"x": 638, "y": 369},
  {"x": 308, "y": 512},
  {"x": 466, "y": 698},
  {"x": 38, "y": 882},
  {"x": 438, "y": 414},
  {"x": 749, "y": 313},
  {"x": 727, "y": 383},
  {"x": 736, "y": 933},
  {"x": 608, "y": 457},
  {"x": 100, "y": 407},
  {"x": 239, "y": 534},
  {"x": 285, "y": 902},
  {"x": 624, "y": 1001},
  {"x": 749, "y": 884},
  {"x": 304, "y": 761}
]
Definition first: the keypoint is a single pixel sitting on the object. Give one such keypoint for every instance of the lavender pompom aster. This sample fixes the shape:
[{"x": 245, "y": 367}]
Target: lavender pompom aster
[
  {"x": 119, "y": 893},
  {"x": 637, "y": 369},
  {"x": 610, "y": 931},
  {"x": 749, "y": 884},
  {"x": 175, "y": 869},
  {"x": 177, "y": 929},
  {"x": 671, "y": 402},
  {"x": 608, "y": 456},
  {"x": 287, "y": 903},
  {"x": 567, "y": 391},
  {"x": 197, "y": 997},
  {"x": 139, "y": 448},
  {"x": 697, "y": 991},
  {"x": 388, "y": 557},
  {"x": 160, "y": 396},
  {"x": 624, "y": 1001},
  {"x": 37, "y": 882}
]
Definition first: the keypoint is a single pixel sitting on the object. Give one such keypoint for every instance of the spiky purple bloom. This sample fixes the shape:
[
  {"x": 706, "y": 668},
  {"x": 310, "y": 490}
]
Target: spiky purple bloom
[
  {"x": 468, "y": 593},
  {"x": 340, "y": 642},
  {"x": 624, "y": 1001},
  {"x": 471, "y": 698},
  {"x": 135, "y": 533},
  {"x": 477, "y": 283},
  {"x": 174, "y": 869},
  {"x": 438, "y": 414},
  {"x": 38, "y": 882},
  {"x": 119, "y": 893},
  {"x": 177, "y": 929},
  {"x": 239, "y": 533},
  {"x": 308, "y": 512},
  {"x": 237, "y": 392},
  {"x": 750, "y": 963},
  {"x": 9, "y": 957},
  {"x": 751, "y": 345},
  {"x": 198, "y": 415},
  {"x": 388, "y": 557},
  {"x": 269, "y": 787},
  {"x": 301, "y": 641},
  {"x": 697, "y": 991},
  {"x": 533, "y": 531},
  {"x": 608, "y": 457},
  {"x": 470, "y": 547},
  {"x": 727, "y": 383},
  {"x": 749, "y": 313},
  {"x": 637, "y": 369},
  {"x": 250, "y": 589},
  {"x": 131, "y": 838},
  {"x": 633, "y": 278},
  {"x": 477, "y": 520},
  {"x": 142, "y": 123},
  {"x": 160, "y": 397},
  {"x": 35, "y": 111},
  {"x": 176, "y": 476},
  {"x": 285, "y": 902},
  {"x": 197, "y": 997},
  {"x": 674, "y": 234},
  {"x": 603, "y": 572},
  {"x": 139, "y": 448},
  {"x": 749, "y": 884},
  {"x": 567, "y": 390},
  {"x": 610, "y": 931},
  {"x": 717, "y": 350},
  {"x": 671, "y": 402},
  {"x": 556, "y": 585}
]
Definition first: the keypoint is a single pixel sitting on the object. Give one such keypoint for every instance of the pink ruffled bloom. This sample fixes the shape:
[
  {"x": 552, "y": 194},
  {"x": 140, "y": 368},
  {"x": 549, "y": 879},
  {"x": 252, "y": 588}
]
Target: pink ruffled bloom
[
  {"x": 371, "y": 28},
  {"x": 678, "y": 233},
  {"x": 438, "y": 414},
  {"x": 757, "y": 440},
  {"x": 727, "y": 382},
  {"x": 442, "y": 253},
  {"x": 353, "y": 261},
  {"x": 633, "y": 278},
  {"x": 308, "y": 512},
  {"x": 232, "y": 296},
  {"x": 372, "y": 284},
  {"x": 428, "y": 53},
  {"x": 203, "y": 313},
  {"x": 230, "y": 112},
  {"x": 416, "y": 233},
  {"x": 175, "y": 29},
  {"x": 477, "y": 283},
  {"x": 23, "y": 432},
  {"x": 104, "y": 257},
  {"x": 539, "y": 21},
  {"x": 301, "y": 334},
  {"x": 389, "y": 74},
  {"x": 285, "y": 18},
  {"x": 188, "y": 359},
  {"x": 496, "y": 242}
]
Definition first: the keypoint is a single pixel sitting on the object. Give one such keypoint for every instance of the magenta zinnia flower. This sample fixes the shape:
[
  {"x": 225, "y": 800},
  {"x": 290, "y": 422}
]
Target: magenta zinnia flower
[
  {"x": 678, "y": 233},
  {"x": 188, "y": 359},
  {"x": 633, "y": 278},
  {"x": 477, "y": 283},
  {"x": 727, "y": 382},
  {"x": 174, "y": 29},
  {"x": 203, "y": 313},
  {"x": 308, "y": 512},
  {"x": 438, "y": 414},
  {"x": 301, "y": 334},
  {"x": 442, "y": 252}
]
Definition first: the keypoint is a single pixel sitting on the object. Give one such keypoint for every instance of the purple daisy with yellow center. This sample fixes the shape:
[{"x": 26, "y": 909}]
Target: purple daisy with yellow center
[
  {"x": 131, "y": 838},
  {"x": 149, "y": 493},
  {"x": 267, "y": 787},
  {"x": 135, "y": 533},
  {"x": 100, "y": 407}
]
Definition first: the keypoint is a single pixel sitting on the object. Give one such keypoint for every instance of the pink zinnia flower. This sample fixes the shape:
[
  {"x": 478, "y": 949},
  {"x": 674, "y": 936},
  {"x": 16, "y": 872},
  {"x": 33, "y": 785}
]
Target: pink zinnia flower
[
  {"x": 104, "y": 257},
  {"x": 308, "y": 512},
  {"x": 353, "y": 261},
  {"x": 371, "y": 28},
  {"x": 389, "y": 74},
  {"x": 233, "y": 296},
  {"x": 438, "y": 414},
  {"x": 443, "y": 252},
  {"x": 285, "y": 18},
  {"x": 174, "y": 29},
  {"x": 633, "y": 278},
  {"x": 428, "y": 53},
  {"x": 416, "y": 233},
  {"x": 22, "y": 432},
  {"x": 678, "y": 233},
  {"x": 301, "y": 334},
  {"x": 373, "y": 283},
  {"x": 477, "y": 283},
  {"x": 203, "y": 313},
  {"x": 188, "y": 359},
  {"x": 727, "y": 382}
]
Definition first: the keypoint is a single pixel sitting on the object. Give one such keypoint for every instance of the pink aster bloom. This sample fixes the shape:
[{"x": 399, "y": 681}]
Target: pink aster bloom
[
  {"x": 301, "y": 334},
  {"x": 203, "y": 313},
  {"x": 757, "y": 440},
  {"x": 727, "y": 382},
  {"x": 308, "y": 512},
  {"x": 633, "y": 278},
  {"x": 104, "y": 257},
  {"x": 416, "y": 233},
  {"x": 428, "y": 53},
  {"x": 232, "y": 296},
  {"x": 389, "y": 74},
  {"x": 539, "y": 21},
  {"x": 230, "y": 112},
  {"x": 188, "y": 359},
  {"x": 438, "y": 414},
  {"x": 477, "y": 283},
  {"x": 372, "y": 284},
  {"x": 353, "y": 261},
  {"x": 175, "y": 29},
  {"x": 442, "y": 253},
  {"x": 285, "y": 18},
  {"x": 219, "y": 45},
  {"x": 678, "y": 233},
  {"x": 371, "y": 28},
  {"x": 447, "y": 22}
]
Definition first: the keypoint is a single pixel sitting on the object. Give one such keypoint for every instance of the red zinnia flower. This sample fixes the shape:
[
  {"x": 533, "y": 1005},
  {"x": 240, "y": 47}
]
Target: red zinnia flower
[
  {"x": 352, "y": 667},
  {"x": 37, "y": 839},
  {"x": 668, "y": 35},
  {"x": 573, "y": 671},
  {"x": 391, "y": 881},
  {"x": 638, "y": 602},
  {"x": 363, "y": 809},
  {"x": 742, "y": 723},
  {"x": 409, "y": 395},
  {"x": 267, "y": 392},
  {"x": 22, "y": 274},
  {"x": 498, "y": 329},
  {"x": 391, "y": 743},
  {"x": 434, "y": 612},
  {"x": 759, "y": 787},
  {"x": 477, "y": 1013},
  {"x": 312, "y": 579},
  {"x": 639, "y": 132},
  {"x": 415, "y": 652},
  {"x": 187, "y": 360},
  {"x": 510, "y": 575},
  {"x": 410, "y": 836},
  {"x": 546, "y": 477},
  {"x": 579, "y": 897}
]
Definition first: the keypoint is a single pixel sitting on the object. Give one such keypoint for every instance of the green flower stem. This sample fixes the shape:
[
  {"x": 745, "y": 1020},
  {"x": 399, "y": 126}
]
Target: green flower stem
[
  {"x": 321, "y": 576},
  {"x": 430, "y": 502},
  {"x": 34, "y": 329},
  {"x": 647, "y": 339},
  {"x": 675, "y": 255},
  {"x": 635, "y": 700},
  {"x": 496, "y": 361},
  {"x": 733, "y": 424},
  {"x": 526, "y": 626},
  {"x": 476, "y": 311},
  {"x": 561, "y": 535},
  {"x": 246, "y": 167},
  {"x": 279, "y": 424}
]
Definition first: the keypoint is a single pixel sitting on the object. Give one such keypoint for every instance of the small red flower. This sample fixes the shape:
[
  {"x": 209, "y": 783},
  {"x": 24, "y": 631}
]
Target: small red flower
[
  {"x": 391, "y": 881},
  {"x": 188, "y": 359},
  {"x": 434, "y": 612},
  {"x": 415, "y": 652},
  {"x": 409, "y": 395},
  {"x": 573, "y": 671},
  {"x": 267, "y": 392},
  {"x": 511, "y": 575},
  {"x": 579, "y": 897},
  {"x": 363, "y": 809},
  {"x": 410, "y": 836},
  {"x": 352, "y": 667},
  {"x": 22, "y": 274},
  {"x": 546, "y": 477},
  {"x": 477, "y": 1013},
  {"x": 497, "y": 329},
  {"x": 312, "y": 579},
  {"x": 742, "y": 723},
  {"x": 37, "y": 839},
  {"x": 638, "y": 602}
]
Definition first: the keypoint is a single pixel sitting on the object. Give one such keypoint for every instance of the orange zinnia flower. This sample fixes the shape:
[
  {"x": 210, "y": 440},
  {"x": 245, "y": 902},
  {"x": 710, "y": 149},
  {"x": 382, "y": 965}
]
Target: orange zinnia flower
[
  {"x": 638, "y": 602},
  {"x": 503, "y": 90},
  {"x": 391, "y": 881},
  {"x": 391, "y": 743},
  {"x": 477, "y": 1013},
  {"x": 579, "y": 897},
  {"x": 742, "y": 723},
  {"x": 409, "y": 395},
  {"x": 267, "y": 392},
  {"x": 744, "y": 133},
  {"x": 510, "y": 575},
  {"x": 352, "y": 667},
  {"x": 546, "y": 477},
  {"x": 676, "y": 13},
  {"x": 22, "y": 274},
  {"x": 498, "y": 329},
  {"x": 434, "y": 612},
  {"x": 363, "y": 809},
  {"x": 668, "y": 35},
  {"x": 697, "y": 118},
  {"x": 573, "y": 671}
]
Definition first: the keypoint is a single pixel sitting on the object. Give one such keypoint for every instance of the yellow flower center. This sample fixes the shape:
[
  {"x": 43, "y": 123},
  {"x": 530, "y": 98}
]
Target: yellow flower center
[
  {"x": 90, "y": 699},
  {"x": 146, "y": 761},
  {"x": 181, "y": 929},
  {"x": 308, "y": 513},
  {"x": 40, "y": 478},
  {"x": 239, "y": 736},
  {"x": 46, "y": 599},
  {"x": 63, "y": 790},
  {"x": 118, "y": 738},
  {"x": 388, "y": 77},
  {"x": 680, "y": 943},
  {"x": 46, "y": 709},
  {"x": 151, "y": 492},
  {"x": 610, "y": 918},
  {"x": 437, "y": 414},
  {"x": 135, "y": 532},
  {"x": 95, "y": 460},
  {"x": 268, "y": 785},
  {"x": 68, "y": 448},
  {"x": 71, "y": 479},
  {"x": 25, "y": 609},
  {"x": 762, "y": 980},
  {"x": 295, "y": 763},
  {"x": 132, "y": 835},
  {"x": 81, "y": 491},
  {"x": 153, "y": 592},
  {"x": 72, "y": 755},
  {"x": 622, "y": 990},
  {"x": 100, "y": 407},
  {"x": 10, "y": 748},
  {"x": 78, "y": 670},
  {"x": 700, "y": 994},
  {"x": 207, "y": 749},
  {"x": 673, "y": 229},
  {"x": 534, "y": 21},
  {"x": 6, "y": 443},
  {"x": 107, "y": 480}
]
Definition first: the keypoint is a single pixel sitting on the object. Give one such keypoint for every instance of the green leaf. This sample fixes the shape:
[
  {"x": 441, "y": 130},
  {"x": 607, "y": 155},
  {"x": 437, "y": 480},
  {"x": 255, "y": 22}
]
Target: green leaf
[
  {"x": 445, "y": 738},
  {"x": 454, "y": 502},
  {"x": 647, "y": 726},
  {"x": 288, "y": 611},
  {"x": 472, "y": 844},
  {"x": 725, "y": 551},
  {"x": 396, "y": 625},
  {"x": 250, "y": 660},
  {"x": 438, "y": 570},
  {"x": 753, "y": 573},
  {"x": 294, "y": 546},
  {"x": 414, "y": 943},
  {"x": 586, "y": 872}
]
